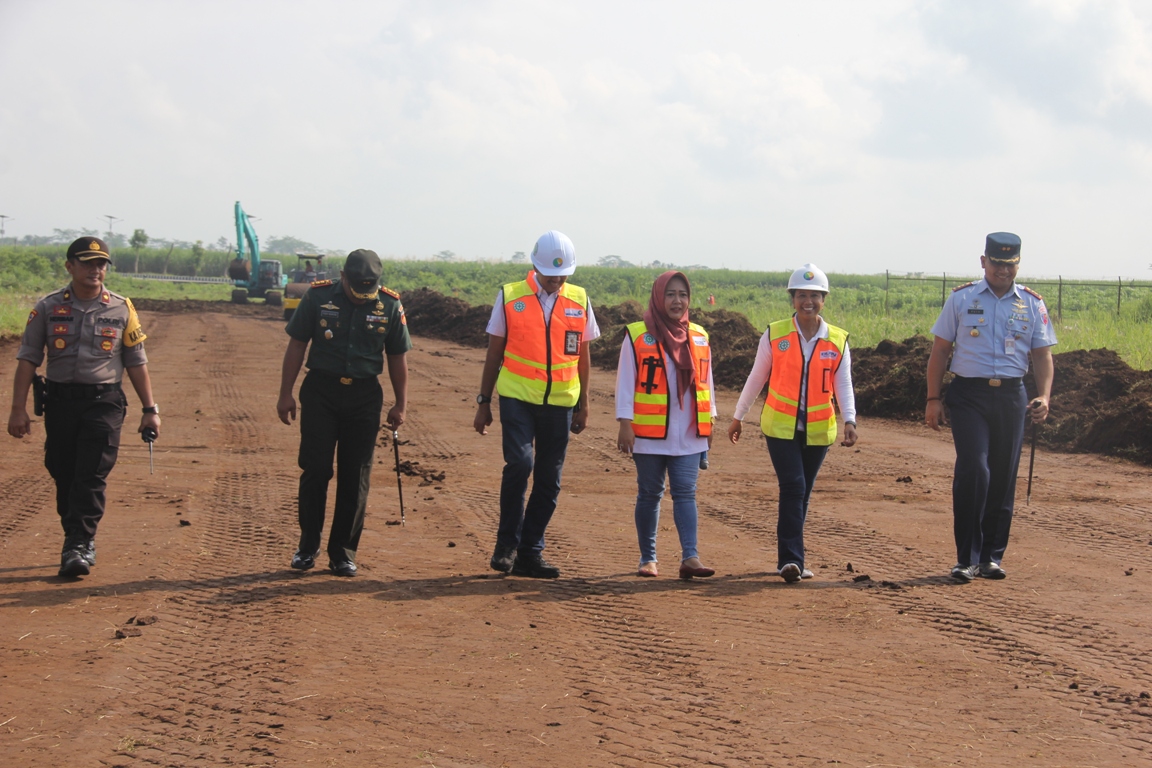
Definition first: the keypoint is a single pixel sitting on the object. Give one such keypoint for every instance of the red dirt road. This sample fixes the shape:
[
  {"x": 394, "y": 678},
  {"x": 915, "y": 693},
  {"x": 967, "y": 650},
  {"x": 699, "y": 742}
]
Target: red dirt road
[{"x": 429, "y": 658}]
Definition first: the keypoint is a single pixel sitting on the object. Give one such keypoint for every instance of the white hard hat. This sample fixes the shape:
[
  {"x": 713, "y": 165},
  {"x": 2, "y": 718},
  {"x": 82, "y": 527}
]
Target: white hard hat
[
  {"x": 808, "y": 277},
  {"x": 554, "y": 254}
]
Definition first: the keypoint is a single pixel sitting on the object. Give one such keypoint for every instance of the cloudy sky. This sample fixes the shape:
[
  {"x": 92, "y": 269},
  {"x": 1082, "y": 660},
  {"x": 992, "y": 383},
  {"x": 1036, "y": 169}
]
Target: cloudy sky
[{"x": 862, "y": 136}]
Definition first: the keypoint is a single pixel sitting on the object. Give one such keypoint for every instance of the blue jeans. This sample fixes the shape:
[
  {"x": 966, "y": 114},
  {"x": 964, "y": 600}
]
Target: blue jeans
[
  {"x": 682, "y": 472},
  {"x": 522, "y": 527},
  {"x": 797, "y": 465},
  {"x": 988, "y": 432}
]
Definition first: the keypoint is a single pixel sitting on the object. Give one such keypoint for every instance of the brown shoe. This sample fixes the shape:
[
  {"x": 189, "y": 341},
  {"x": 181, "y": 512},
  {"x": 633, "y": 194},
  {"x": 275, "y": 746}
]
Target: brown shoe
[{"x": 698, "y": 571}]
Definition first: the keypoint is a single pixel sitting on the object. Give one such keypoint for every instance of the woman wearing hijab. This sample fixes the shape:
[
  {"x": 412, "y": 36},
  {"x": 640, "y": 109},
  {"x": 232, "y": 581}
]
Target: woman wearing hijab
[
  {"x": 807, "y": 365},
  {"x": 665, "y": 407}
]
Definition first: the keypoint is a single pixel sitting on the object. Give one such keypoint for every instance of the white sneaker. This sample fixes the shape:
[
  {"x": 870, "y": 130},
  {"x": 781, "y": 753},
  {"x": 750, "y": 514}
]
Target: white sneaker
[
  {"x": 791, "y": 573},
  {"x": 806, "y": 574}
]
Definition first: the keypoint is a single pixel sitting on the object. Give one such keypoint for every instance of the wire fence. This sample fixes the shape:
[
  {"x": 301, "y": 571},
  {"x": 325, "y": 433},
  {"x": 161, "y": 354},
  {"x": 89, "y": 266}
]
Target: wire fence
[{"x": 1077, "y": 292}]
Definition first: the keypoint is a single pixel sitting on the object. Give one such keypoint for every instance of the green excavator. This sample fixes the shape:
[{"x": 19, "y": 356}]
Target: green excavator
[{"x": 253, "y": 277}]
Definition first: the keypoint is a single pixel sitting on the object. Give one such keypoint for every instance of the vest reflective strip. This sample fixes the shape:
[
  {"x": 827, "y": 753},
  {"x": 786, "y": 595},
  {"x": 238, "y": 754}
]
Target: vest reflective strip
[
  {"x": 650, "y": 409},
  {"x": 536, "y": 368},
  {"x": 778, "y": 418}
]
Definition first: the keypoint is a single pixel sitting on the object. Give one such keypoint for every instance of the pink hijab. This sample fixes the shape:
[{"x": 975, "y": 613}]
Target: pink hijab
[{"x": 672, "y": 334}]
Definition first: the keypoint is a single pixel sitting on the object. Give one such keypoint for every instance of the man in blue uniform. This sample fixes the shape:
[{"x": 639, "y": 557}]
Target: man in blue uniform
[
  {"x": 352, "y": 324},
  {"x": 991, "y": 328}
]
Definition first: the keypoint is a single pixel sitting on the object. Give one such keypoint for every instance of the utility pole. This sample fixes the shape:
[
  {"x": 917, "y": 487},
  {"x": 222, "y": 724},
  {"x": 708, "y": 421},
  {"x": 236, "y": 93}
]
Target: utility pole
[
  {"x": 110, "y": 220},
  {"x": 3, "y": 219}
]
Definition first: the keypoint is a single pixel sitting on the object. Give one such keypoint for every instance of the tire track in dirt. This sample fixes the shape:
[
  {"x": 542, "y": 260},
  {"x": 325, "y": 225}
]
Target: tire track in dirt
[
  {"x": 1039, "y": 642},
  {"x": 189, "y": 703},
  {"x": 26, "y": 501}
]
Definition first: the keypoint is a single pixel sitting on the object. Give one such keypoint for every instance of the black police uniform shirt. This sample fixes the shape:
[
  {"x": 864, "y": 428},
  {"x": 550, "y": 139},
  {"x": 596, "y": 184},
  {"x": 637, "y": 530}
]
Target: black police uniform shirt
[
  {"x": 89, "y": 341},
  {"x": 349, "y": 339}
]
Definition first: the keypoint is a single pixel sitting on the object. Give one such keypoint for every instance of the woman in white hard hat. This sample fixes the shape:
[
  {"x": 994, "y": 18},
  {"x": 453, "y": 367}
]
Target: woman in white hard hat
[
  {"x": 665, "y": 407},
  {"x": 807, "y": 365}
]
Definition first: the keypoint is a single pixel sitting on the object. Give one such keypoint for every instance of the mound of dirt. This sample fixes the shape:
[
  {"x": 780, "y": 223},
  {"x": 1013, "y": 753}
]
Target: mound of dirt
[
  {"x": 1099, "y": 403},
  {"x": 445, "y": 317}
]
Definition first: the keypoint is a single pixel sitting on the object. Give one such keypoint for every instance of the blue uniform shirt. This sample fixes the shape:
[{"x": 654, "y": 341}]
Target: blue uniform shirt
[{"x": 993, "y": 336}]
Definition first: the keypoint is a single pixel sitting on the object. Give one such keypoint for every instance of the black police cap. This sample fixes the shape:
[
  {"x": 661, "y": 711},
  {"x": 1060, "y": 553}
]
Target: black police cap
[
  {"x": 1002, "y": 247},
  {"x": 88, "y": 248}
]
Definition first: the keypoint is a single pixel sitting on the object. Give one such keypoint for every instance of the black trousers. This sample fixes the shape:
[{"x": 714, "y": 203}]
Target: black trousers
[
  {"x": 341, "y": 421},
  {"x": 80, "y": 449}
]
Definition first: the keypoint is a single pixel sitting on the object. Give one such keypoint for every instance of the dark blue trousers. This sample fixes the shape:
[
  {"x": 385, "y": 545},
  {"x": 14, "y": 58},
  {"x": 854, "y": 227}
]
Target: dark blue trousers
[
  {"x": 796, "y": 464},
  {"x": 988, "y": 431},
  {"x": 522, "y": 527}
]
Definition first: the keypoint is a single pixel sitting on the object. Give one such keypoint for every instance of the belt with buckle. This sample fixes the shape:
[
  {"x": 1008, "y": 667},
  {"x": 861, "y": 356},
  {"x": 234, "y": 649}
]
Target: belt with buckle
[
  {"x": 345, "y": 380},
  {"x": 1001, "y": 382},
  {"x": 68, "y": 391}
]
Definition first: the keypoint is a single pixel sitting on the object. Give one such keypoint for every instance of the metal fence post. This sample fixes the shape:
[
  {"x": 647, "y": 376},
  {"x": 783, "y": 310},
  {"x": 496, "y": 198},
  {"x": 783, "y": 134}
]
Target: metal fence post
[
  {"x": 1119, "y": 288},
  {"x": 885, "y": 293},
  {"x": 943, "y": 288},
  {"x": 1060, "y": 298}
]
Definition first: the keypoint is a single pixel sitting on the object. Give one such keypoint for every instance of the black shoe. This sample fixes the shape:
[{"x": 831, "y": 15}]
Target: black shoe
[
  {"x": 502, "y": 559},
  {"x": 73, "y": 564},
  {"x": 303, "y": 562},
  {"x": 704, "y": 460},
  {"x": 534, "y": 567},
  {"x": 89, "y": 552},
  {"x": 342, "y": 568}
]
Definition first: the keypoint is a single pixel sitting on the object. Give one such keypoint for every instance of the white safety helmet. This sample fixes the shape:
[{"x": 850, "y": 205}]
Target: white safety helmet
[
  {"x": 554, "y": 254},
  {"x": 808, "y": 278}
]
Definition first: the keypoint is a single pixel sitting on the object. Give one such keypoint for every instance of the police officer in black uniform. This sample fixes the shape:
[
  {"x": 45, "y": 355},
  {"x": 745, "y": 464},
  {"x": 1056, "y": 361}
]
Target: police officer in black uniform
[
  {"x": 351, "y": 324},
  {"x": 93, "y": 338}
]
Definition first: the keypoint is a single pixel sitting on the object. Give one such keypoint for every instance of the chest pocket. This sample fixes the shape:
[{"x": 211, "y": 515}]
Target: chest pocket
[
  {"x": 106, "y": 341},
  {"x": 968, "y": 321},
  {"x": 63, "y": 337},
  {"x": 375, "y": 329},
  {"x": 1021, "y": 326},
  {"x": 329, "y": 326}
]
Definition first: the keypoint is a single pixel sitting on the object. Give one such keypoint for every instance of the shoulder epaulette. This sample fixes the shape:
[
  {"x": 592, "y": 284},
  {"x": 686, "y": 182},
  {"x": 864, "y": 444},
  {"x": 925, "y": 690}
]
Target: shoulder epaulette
[
  {"x": 963, "y": 286},
  {"x": 388, "y": 291},
  {"x": 1026, "y": 289},
  {"x": 320, "y": 283}
]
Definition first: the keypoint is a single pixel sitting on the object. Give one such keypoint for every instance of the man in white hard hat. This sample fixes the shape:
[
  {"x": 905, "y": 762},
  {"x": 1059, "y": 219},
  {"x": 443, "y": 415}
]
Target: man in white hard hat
[{"x": 538, "y": 361}]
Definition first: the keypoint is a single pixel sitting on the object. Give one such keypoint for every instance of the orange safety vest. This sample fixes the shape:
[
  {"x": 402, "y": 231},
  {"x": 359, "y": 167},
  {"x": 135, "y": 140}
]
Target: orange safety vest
[
  {"x": 781, "y": 406},
  {"x": 540, "y": 360},
  {"x": 650, "y": 401}
]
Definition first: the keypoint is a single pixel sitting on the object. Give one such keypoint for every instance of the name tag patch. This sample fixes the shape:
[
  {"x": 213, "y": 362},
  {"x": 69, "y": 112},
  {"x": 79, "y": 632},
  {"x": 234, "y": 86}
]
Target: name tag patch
[
  {"x": 572, "y": 342},
  {"x": 570, "y": 312},
  {"x": 700, "y": 341},
  {"x": 829, "y": 354}
]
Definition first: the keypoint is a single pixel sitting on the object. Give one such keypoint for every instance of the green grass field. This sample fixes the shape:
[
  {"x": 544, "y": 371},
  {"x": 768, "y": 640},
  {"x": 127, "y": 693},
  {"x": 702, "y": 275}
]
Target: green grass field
[{"x": 858, "y": 303}]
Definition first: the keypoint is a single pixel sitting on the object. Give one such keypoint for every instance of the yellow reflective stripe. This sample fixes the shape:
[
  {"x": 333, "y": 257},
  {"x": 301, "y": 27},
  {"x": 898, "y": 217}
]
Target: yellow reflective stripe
[
  {"x": 787, "y": 401},
  {"x": 649, "y": 399},
  {"x": 653, "y": 419},
  {"x": 569, "y": 364},
  {"x": 823, "y": 407},
  {"x": 526, "y": 361}
]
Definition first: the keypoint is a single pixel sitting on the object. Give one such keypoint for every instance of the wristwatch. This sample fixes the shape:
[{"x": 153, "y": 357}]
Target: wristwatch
[
  {"x": 151, "y": 409},
  {"x": 483, "y": 400}
]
